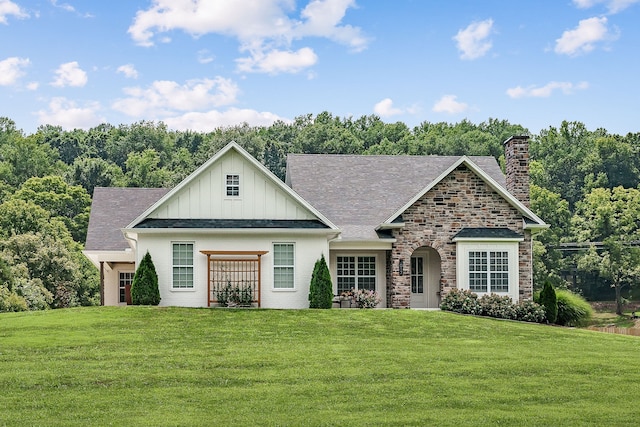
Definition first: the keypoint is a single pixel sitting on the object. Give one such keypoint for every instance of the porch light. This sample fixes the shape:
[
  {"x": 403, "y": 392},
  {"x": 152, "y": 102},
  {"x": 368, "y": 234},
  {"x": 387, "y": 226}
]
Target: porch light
[{"x": 401, "y": 267}]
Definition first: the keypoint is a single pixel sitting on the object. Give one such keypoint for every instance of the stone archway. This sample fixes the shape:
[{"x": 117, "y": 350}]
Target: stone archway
[{"x": 424, "y": 271}]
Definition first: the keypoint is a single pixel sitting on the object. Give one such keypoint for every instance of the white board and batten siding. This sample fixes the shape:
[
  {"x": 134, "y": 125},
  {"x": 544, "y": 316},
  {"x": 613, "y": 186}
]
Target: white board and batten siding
[
  {"x": 308, "y": 249},
  {"x": 205, "y": 196}
]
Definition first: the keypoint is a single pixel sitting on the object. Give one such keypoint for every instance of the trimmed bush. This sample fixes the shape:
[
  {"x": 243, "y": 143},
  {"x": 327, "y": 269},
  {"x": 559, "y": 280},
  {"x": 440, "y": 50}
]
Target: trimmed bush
[
  {"x": 573, "y": 310},
  {"x": 461, "y": 301},
  {"x": 144, "y": 289},
  {"x": 321, "y": 288},
  {"x": 494, "y": 305},
  {"x": 549, "y": 300},
  {"x": 498, "y": 306},
  {"x": 529, "y": 311}
]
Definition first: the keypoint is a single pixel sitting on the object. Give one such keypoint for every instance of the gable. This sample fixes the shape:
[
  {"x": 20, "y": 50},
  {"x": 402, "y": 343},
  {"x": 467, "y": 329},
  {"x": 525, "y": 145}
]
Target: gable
[{"x": 256, "y": 194}]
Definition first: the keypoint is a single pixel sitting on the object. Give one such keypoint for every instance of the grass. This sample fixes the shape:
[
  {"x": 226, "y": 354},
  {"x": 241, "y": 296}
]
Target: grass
[{"x": 172, "y": 366}]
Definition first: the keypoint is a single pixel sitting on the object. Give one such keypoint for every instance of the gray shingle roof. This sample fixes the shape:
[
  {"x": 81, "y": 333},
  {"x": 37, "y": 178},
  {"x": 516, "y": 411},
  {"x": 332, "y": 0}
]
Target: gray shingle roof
[
  {"x": 113, "y": 209},
  {"x": 358, "y": 192}
]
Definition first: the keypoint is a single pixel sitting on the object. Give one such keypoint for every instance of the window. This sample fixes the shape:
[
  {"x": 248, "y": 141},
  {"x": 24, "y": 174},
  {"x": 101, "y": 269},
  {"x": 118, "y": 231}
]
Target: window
[
  {"x": 182, "y": 266},
  {"x": 488, "y": 271},
  {"x": 233, "y": 185},
  {"x": 356, "y": 273},
  {"x": 417, "y": 275},
  {"x": 283, "y": 265},
  {"x": 125, "y": 279}
]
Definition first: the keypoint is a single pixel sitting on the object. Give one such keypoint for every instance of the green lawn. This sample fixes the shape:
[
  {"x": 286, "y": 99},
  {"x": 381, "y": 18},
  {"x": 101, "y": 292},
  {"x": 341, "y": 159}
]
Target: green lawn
[{"x": 170, "y": 366}]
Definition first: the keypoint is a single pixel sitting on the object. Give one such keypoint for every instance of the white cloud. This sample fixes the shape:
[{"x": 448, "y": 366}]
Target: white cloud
[
  {"x": 11, "y": 69},
  {"x": 210, "y": 120},
  {"x": 473, "y": 42},
  {"x": 448, "y": 104},
  {"x": 583, "y": 38},
  {"x": 547, "y": 90},
  {"x": 263, "y": 28},
  {"x": 165, "y": 97},
  {"x": 385, "y": 108},
  {"x": 64, "y": 112},
  {"x": 128, "y": 70},
  {"x": 205, "y": 57},
  {"x": 278, "y": 61},
  {"x": 70, "y": 74},
  {"x": 33, "y": 85},
  {"x": 7, "y": 8},
  {"x": 613, "y": 6}
]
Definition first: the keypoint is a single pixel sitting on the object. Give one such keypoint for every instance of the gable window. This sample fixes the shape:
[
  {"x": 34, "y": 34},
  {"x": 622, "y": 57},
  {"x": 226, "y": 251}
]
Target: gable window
[
  {"x": 283, "y": 265},
  {"x": 233, "y": 185},
  {"x": 489, "y": 271},
  {"x": 356, "y": 272},
  {"x": 182, "y": 256}
]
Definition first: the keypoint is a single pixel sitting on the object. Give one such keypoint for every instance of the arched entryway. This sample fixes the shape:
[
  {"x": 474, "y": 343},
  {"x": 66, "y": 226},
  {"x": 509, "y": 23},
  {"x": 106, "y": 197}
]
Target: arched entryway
[{"x": 425, "y": 278}]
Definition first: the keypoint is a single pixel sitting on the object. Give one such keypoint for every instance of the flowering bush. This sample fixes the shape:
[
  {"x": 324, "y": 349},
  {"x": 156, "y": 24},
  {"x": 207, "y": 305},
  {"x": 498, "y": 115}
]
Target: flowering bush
[
  {"x": 461, "y": 301},
  {"x": 494, "y": 305},
  {"x": 364, "y": 298},
  {"x": 502, "y": 307}
]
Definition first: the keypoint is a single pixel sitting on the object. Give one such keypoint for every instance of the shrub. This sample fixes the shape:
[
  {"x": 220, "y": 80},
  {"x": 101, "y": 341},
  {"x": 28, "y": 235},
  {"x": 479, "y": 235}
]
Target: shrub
[
  {"x": 549, "y": 300},
  {"x": 10, "y": 301},
  {"x": 529, "y": 311},
  {"x": 494, "y": 305},
  {"x": 366, "y": 299},
  {"x": 461, "y": 301},
  {"x": 502, "y": 307},
  {"x": 573, "y": 310},
  {"x": 144, "y": 289},
  {"x": 321, "y": 288},
  {"x": 229, "y": 296}
]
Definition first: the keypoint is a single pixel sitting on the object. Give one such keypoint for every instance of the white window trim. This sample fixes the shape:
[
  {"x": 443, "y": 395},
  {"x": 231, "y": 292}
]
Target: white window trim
[
  {"x": 273, "y": 270},
  {"x": 171, "y": 288},
  {"x": 133, "y": 273},
  {"x": 462, "y": 264},
  {"x": 226, "y": 186},
  {"x": 356, "y": 255}
]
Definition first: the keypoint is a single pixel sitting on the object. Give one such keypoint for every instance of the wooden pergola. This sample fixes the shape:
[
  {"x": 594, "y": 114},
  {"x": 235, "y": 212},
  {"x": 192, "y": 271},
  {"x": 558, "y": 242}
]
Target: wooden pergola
[{"x": 233, "y": 277}]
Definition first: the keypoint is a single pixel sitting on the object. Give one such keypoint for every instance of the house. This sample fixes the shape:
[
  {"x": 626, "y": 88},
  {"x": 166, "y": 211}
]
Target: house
[{"x": 410, "y": 227}]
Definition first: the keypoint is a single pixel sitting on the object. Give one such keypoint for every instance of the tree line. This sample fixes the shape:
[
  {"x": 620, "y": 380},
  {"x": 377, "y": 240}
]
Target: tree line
[{"x": 583, "y": 182}]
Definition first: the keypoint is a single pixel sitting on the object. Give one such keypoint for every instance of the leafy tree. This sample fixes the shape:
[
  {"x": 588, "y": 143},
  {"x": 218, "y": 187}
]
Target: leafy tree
[
  {"x": 144, "y": 289},
  {"x": 69, "y": 203},
  {"x": 321, "y": 288},
  {"x": 143, "y": 170},
  {"x": 92, "y": 172},
  {"x": 549, "y": 301},
  {"x": 610, "y": 221}
]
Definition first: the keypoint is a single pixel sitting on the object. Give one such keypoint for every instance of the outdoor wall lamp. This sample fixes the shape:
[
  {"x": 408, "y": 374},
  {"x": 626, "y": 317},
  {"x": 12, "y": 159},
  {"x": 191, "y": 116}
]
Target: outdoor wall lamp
[{"x": 401, "y": 267}]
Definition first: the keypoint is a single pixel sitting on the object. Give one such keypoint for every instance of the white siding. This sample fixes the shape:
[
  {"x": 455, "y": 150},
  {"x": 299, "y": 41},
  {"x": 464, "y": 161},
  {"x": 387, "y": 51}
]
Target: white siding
[
  {"x": 205, "y": 196},
  {"x": 308, "y": 250}
]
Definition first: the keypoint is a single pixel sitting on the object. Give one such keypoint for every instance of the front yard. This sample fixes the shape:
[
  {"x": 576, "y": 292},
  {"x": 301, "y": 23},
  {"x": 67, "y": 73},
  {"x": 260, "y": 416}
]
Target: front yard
[{"x": 173, "y": 366}]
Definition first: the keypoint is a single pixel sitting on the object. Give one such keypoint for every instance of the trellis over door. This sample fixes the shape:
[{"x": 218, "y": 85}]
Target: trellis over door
[{"x": 233, "y": 277}]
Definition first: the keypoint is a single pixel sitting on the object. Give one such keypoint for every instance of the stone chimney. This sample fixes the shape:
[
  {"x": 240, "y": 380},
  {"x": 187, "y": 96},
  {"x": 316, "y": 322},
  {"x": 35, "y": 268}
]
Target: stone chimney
[{"x": 516, "y": 154}]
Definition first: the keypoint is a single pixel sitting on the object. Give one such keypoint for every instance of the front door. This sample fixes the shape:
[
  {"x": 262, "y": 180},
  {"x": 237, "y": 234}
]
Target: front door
[{"x": 425, "y": 279}]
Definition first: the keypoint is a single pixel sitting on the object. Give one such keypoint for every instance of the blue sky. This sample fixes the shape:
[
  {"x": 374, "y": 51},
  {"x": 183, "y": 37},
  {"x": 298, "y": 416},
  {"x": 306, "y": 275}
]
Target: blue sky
[{"x": 202, "y": 64}]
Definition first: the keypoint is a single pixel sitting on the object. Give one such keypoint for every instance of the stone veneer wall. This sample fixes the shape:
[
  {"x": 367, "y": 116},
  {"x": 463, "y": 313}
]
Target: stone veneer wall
[{"x": 461, "y": 200}]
